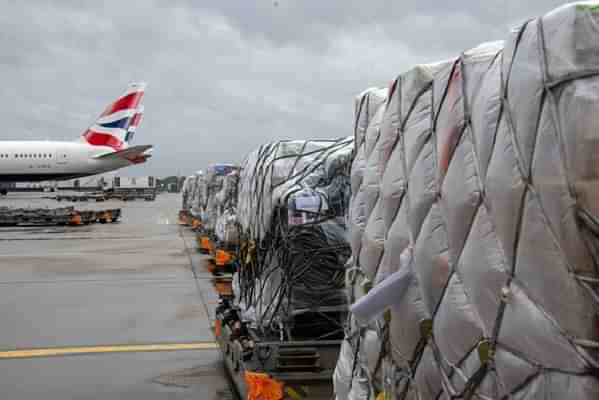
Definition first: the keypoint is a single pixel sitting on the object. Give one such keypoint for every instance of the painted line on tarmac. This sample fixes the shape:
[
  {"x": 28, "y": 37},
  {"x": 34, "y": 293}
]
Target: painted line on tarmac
[{"x": 119, "y": 348}]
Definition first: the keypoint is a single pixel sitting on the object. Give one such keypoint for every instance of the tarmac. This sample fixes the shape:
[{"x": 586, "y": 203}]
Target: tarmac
[{"x": 107, "y": 311}]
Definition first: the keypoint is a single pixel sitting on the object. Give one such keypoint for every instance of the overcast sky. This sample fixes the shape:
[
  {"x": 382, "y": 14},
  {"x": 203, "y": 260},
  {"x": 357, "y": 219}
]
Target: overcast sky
[{"x": 223, "y": 76}]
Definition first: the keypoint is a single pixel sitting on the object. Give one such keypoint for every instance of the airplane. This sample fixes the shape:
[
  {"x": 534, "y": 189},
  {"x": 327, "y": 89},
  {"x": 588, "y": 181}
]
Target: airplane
[{"x": 104, "y": 146}]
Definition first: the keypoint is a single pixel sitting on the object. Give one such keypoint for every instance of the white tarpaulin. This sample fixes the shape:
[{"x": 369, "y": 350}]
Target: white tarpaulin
[
  {"x": 227, "y": 226},
  {"x": 485, "y": 166}
]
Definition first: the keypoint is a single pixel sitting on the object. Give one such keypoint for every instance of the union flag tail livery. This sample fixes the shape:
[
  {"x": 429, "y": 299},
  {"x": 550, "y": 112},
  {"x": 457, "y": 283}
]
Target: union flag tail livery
[
  {"x": 104, "y": 146},
  {"x": 135, "y": 122},
  {"x": 116, "y": 125}
]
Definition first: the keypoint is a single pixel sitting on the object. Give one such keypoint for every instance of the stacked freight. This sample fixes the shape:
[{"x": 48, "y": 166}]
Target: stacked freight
[
  {"x": 474, "y": 223},
  {"x": 187, "y": 193},
  {"x": 292, "y": 201},
  {"x": 198, "y": 195},
  {"x": 213, "y": 204},
  {"x": 281, "y": 326},
  {"x": 227, "y": 225}
]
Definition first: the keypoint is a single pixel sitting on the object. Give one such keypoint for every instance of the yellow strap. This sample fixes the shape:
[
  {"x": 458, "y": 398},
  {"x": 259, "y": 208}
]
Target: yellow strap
[{"x": 293, "y": 393}]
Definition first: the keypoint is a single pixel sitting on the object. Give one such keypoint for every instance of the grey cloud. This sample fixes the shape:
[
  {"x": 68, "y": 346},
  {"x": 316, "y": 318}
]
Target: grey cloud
[{"x": 224, "y": 76}]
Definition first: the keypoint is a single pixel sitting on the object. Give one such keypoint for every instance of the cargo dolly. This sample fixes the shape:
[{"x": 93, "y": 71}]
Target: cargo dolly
[
  {"x": 285, "y": 369},
  {"x": 56, "y": 217}
]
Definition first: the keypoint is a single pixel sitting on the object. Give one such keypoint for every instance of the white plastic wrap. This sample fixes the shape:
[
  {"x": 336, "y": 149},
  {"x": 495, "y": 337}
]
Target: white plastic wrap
[
  {"x": 197, "y": 194},
  {"x": 187, "y": 192},
  {"x": 227, "y": 228},
  {"x": 293, "y": 197},
  {"x": 278, "y": 172},
  {"x": 214, "y": 202},
  {"x": 485, "y": 166}
]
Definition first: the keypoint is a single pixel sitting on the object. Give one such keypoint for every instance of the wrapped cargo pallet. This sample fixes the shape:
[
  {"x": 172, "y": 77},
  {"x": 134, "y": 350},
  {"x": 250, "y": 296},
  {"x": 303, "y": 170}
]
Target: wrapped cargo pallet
[
  {"x": 187, "y": 192},
  {"x": 212, "y": 207},
  {"x": 367, "y": 340},
  {"x": 197, "y": 194},
  {"x": 293, "y": 196},
  {"x": 474, "y": 223},
  {"x": 227, "y": 225}
]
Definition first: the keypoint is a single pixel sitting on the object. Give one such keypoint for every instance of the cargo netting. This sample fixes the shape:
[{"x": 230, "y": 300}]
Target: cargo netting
[
  {"x": 474, "y": 223},
  {"x": 293, "y": 198}
]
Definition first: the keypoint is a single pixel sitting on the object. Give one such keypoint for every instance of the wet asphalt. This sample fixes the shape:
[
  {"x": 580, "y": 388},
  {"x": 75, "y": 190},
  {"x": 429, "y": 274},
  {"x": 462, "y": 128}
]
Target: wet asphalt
[{"x": 139, "y": 281}]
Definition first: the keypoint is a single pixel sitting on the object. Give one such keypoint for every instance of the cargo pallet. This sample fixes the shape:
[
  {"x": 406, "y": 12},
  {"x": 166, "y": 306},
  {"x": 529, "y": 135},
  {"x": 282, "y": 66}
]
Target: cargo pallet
[
  {"x": 131, "y": 194},
  {"x": 56, "y": 217},
  {"x": 98, "y": 197}
]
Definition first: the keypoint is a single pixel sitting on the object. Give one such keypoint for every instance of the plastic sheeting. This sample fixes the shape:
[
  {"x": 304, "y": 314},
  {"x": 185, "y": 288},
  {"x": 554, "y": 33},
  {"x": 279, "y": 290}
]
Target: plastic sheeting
[
  {"x": 293, "y": 197},
  {"x": 211, "y": 205},
  {"x": 187, "y": 192},
  {"x": 485, "y": 166},
  {"x": 227, "y": 228},
  {"x": 198, "y": 194}
]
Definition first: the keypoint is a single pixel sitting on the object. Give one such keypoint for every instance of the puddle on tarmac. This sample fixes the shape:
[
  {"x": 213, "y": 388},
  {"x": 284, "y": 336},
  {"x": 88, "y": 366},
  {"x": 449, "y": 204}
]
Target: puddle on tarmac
[{"x": 188, "y": 377}]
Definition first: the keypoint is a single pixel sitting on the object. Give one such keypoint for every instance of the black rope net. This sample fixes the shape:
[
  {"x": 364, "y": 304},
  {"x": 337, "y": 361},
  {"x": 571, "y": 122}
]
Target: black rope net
[
  {"x": 293, "y": 198},
  {"x": 480, "y": 174}
]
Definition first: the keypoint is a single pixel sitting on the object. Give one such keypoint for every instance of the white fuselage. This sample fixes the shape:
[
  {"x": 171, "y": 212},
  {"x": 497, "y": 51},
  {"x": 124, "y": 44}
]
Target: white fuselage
[{"x": 29, "y": 161}]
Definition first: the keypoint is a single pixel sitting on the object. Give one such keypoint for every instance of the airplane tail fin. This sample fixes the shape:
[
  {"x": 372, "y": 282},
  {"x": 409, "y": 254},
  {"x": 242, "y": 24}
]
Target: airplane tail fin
[
  {"x": 135, "y": 122},
  {"x": 112, "y": 127}
]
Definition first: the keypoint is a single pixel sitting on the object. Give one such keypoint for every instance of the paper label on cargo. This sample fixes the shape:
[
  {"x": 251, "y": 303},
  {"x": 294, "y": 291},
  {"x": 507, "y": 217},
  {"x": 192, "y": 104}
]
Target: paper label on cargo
[{"x": 308, "y": 203}]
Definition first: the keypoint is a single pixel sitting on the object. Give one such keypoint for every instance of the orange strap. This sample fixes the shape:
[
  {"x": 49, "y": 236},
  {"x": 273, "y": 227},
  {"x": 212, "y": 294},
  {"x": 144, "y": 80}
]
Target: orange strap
[{"x": 262, "y": 387}]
